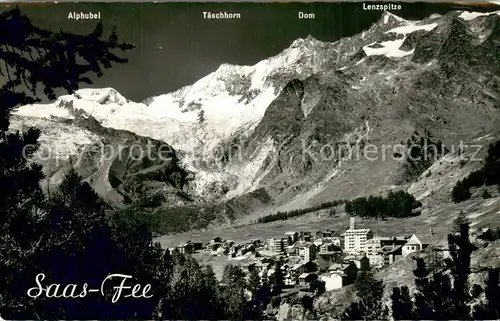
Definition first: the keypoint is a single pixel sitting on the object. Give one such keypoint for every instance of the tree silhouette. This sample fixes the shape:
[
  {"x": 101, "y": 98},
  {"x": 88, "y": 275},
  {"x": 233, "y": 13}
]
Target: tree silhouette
[
  {"x": 490, "y": 310},
  {"x": 201, "y": 116},
  {"x": 61, "y": 238},
  {"x": 370, "y": 305},
  {"x": 488, "y": 175},
  {"x": 32, "y": 57},
  {"x": 234, "y": 292},
  {"x": 447, "y": 294},
  {"x": 402, "y": 306}
]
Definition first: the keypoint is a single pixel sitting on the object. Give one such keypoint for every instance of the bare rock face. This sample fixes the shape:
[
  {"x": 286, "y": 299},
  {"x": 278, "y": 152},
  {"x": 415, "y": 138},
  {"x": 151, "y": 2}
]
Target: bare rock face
[
  {"x": 436, "y": 82},
  {"x": 289, "y": 312},
  {"x": 121, "y": 166}
]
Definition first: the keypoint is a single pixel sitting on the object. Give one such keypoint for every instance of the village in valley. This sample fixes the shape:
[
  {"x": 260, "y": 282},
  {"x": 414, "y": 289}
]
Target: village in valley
[{"x": 304, "y": 257}]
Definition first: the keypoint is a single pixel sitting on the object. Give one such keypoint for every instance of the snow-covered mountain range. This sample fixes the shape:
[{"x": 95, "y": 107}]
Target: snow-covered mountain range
[{"x": 438, "y": 75}]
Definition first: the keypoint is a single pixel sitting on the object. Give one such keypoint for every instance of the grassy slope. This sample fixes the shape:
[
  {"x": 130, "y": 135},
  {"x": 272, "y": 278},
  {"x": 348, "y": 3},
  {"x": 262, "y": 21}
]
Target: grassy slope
[{"x": 481, "y": 212}]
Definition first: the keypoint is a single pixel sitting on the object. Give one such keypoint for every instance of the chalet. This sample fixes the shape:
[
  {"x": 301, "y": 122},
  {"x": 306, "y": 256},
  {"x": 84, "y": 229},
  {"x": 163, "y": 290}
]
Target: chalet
[
  {"x": 416, "y": 243},
  {"x": 256, "y": 242},
  {"x": 228, "y": 244},
  {"x": 318, "y": 242},
  {"x": 292, "y": 250},
  {"x": 310, "y": 267},
  {"x": 213, "y": 246},
  {"x": 301, "y": 268},
  {"x": 305, "y": 236},
  {"x": 242, "y": 251},
  {"x": 220, "y": 250},
  {"x": 334, "y": 280},
  {"x": 250, "y": 248},
  {"x": 306, "y": 278},
  {"x": 393, "y": 254},
  {"x": 233, "y": 249},
  {"x": 349, "y": 271},
  {"x": 298, "y": 269},
  {"x": 290, "y": 280},
  {"x": 375, "y": 245},
  {"x": 267, "y": 260},
  {"x": 292, "y": 237},
  {"x": 336, "y": 267},
  {"x": 486, "y": 234},
  {"x": 329, "y": 247},
  {"x": 338, "y": 241},
  {"x": 377, "y": 248},
  {"x": 326, "y": 259},
  {"x": 349, "y": 258},
  {"x": 362, "y": 263},
  {"x": 197, "y": 246},
  {"x": 187, "y": 248},
  {"x": 386, "y": 255},
  {"x": 328, "y": 234},
  {"x": 340, "y": 275}
]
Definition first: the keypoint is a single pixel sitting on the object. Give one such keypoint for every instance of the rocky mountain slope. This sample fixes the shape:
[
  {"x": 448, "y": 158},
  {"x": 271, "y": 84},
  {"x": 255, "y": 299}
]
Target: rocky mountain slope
[{"x": 297, "y": 125}]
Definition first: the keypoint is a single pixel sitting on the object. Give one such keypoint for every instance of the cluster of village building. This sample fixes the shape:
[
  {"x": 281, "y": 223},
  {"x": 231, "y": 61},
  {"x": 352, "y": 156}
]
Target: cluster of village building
[{"x": 303, "y": 257}]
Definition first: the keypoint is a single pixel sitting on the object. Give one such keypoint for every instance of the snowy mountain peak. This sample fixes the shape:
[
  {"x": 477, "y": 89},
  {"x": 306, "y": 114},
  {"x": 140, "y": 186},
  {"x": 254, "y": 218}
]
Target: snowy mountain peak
[
  {"x": 467, "y": 15},
  {"x": 236, "y": 99},
  {"x": 412, "y": 27},
  {"x": 387, "y": 17},
  {"x": 309, "y": 42},
  {"x": 101, "y": 96}
]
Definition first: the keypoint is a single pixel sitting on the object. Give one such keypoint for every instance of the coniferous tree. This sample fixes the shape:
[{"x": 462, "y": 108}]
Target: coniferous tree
[
  {"x": 439, "y": 295},
  {"x": 459, "y": 265},
  {"x": 459, "y": 220},
  {"x": 162, "y": 289},
  {"x": 263, "y": 296},
  {"x": 189, "y": 291},
  {"x": 213, "y": 304},
  {"x": 233, "y": 292},
  {"x": 370, "y": 305},
  {"x": 201, "y": 116},
  {"x": 432, "y": 298},
  {"x": 401, "y": 304},
  {"x": 278, "y": 278},
  {"x": 490, "y": 310},
  {"x": 460, "y": 192},
  {"x": 254, "y": 282},
  {"x": 486, "y": 194},
  {"x": 317, "y": 287},
  {"x": 67, "y": 237}
]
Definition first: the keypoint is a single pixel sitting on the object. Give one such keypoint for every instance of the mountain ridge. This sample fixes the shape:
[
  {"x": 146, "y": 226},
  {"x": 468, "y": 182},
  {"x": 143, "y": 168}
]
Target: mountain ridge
[{"x": 376, "y": 87}]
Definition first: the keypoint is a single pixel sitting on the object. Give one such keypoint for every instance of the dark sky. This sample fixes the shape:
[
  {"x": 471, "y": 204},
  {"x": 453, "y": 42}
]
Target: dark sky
[{"x": 192, "y": 46}]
